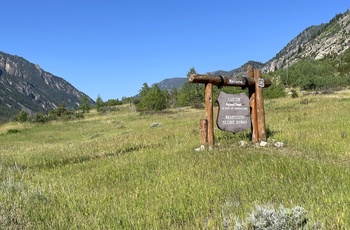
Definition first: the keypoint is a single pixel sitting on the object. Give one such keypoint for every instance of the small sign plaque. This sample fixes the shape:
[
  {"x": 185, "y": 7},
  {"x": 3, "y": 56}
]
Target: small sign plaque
[
  {"x": 237, "y": 81},
  {"x": 234, "y": 114},
  {"x": 261, "y": 82}
]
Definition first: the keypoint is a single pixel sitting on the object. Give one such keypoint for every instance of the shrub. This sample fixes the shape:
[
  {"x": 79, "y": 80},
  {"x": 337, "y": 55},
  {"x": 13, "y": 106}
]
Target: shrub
[
  {"x": 294, "y": 94},
  {"x": 22, "y": 116},
  {"x": 274, "y": 91},
  {"x": 152, "y": 99},
  {"x": 79, "y": 115},
  {"x": 85, "y": 104},
  {"x": 267, "y": 217},
  {"x": 12, "y": 131},
  {"x": 40, "y": 118}
]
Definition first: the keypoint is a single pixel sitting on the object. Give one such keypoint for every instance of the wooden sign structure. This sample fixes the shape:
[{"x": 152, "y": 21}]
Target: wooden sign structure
[{"x": 254, "y": 82}]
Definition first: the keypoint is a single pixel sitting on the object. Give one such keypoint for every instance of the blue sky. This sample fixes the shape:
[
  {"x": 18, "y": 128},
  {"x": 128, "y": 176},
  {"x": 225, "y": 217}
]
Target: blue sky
[{"x": 111, "y": 47}]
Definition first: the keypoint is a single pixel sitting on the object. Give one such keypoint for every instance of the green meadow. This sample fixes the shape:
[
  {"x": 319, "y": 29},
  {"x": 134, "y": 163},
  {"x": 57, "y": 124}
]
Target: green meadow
[{"x": 115, "y": 171}]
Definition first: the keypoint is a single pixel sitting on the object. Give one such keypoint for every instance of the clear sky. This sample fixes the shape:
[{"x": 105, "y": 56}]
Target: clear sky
[{"x": 111, "y": 47}]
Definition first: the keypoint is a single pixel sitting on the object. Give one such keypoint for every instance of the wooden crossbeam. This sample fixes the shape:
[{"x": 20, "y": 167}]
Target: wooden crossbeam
[{"x": 226, "y": 81}]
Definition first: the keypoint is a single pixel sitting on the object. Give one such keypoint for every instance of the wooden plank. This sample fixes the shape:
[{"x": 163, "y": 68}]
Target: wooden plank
[
  {"x": 209, "y": 113},
  {"x": 226, "y": 81},
  {"x": 260, "y": 107}
]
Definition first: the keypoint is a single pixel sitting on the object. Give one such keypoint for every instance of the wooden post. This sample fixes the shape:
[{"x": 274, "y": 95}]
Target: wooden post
[
  {"x": 252, "y": 98},
  {"x": 203, "y": 130},
  {"x": 260, "y": 106},
  {"x": 209, "y": 113}
]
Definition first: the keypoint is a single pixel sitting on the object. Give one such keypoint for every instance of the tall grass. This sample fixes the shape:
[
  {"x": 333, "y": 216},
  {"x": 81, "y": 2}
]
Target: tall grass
[{"x": 114, "y": 171}]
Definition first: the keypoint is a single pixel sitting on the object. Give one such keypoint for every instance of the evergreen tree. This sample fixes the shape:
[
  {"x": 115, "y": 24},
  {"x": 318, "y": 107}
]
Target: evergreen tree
[
  {"x": 61, "y": 110},
  {"x": 191, "y": 71},
  {"x": 152, "y": 99},
  {"x": 172, "y": 102},
  {"x": 22, "y": 116},
  {"x": 99, "y": 104},
  {"x": 191, "y": 94},
  {"x": 144, "y": 90},
  {"x": 85, "y": 104}
]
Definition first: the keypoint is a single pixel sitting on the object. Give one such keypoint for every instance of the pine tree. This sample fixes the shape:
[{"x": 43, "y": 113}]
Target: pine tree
[
  {"x": 99, "y": 104},
  {"x": 22, "y": 116},
  {"x": 191, "y": 94},
  {"x": 152, "y": 99},
  {"x": 85, "y": 104}
]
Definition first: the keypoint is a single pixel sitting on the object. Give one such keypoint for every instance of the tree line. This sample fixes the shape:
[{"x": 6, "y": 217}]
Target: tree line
[
  {"x": 155, "y": 99},
  {"x": 328, "y": 74}
]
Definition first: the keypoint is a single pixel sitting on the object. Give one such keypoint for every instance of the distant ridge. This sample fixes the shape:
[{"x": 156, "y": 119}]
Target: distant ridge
[
  {"x": 240, "y": 71},
  {"x": 172, "y": 83},
  {"x": 176, "y": 83}
]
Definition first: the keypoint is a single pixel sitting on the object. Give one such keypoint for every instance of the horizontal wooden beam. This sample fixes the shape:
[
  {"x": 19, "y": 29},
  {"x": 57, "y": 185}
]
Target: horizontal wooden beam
[{"x": 226, "y": 81}]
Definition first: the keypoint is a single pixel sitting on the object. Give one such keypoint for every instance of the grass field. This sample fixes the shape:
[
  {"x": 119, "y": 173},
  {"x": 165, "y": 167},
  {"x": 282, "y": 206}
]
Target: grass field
[{"x": 114, "y": 171}]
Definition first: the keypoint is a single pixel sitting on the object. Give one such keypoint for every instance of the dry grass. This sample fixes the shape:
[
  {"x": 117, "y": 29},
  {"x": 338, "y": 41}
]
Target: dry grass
[{"x": 113, "y": 171}]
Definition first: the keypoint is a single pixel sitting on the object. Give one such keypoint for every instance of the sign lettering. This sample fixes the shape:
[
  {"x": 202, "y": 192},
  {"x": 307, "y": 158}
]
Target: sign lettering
[
  {"x": 233, "y": 115},
  {"x": 237, "y": 81}
]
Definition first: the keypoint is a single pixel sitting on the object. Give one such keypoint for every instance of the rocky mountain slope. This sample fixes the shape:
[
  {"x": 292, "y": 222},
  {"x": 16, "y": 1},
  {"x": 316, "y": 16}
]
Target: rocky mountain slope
[
  {"x": 316, "y": 42},
  {"x": 25, "y": 86},
  {"x": 327, "y": 40}
]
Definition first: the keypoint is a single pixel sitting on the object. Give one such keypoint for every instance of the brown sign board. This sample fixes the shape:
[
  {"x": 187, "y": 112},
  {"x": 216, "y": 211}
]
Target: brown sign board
[{"x": 234, "y": 112}]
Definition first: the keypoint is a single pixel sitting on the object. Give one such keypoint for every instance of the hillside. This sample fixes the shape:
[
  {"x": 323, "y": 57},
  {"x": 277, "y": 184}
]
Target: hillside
[
  {"x": 327, "y": 40},
  {"x": 314, "y": 43},
  {"x": 25, "y": 86},
  {"x": 172, "y": 83}
]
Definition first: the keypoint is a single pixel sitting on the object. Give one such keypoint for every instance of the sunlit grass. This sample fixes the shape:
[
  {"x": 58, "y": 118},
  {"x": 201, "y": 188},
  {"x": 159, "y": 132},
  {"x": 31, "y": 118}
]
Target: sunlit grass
[
  {"x": 321, "y": 126},
  {"x": 114, "y": 171}
]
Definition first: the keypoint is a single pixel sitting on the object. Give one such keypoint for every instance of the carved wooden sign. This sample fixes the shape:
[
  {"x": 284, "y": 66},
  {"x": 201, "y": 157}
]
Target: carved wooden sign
[{"x": 234, "y": 112}]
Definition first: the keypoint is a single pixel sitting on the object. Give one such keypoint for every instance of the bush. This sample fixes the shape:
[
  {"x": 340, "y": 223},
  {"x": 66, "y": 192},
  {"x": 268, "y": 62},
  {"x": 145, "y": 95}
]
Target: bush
[
  {"x": 85, "y": 104},
  {"x": 12, "y": 131},
  {"x": 274, "y": 91},
  {"x": 152, "y": 99},
  {"x": 294, "y": 94},
  {"x": 40, "y": 118},
  {"x": 267, "y": 217},
  {"x": 79, "y": 115},
  {"x": 22, "y": 116}
]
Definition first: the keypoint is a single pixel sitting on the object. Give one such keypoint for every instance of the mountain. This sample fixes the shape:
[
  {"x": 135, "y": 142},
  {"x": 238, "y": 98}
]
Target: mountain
[
  {"x": 315, "y": 42},
  {"x": 176, "y": 83},
  {"x": 327, "y": 40},
  {"x": 171, "y": 83},
  {"x": 240, "y": 71},
  {"x": 25, "y": 86}
]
